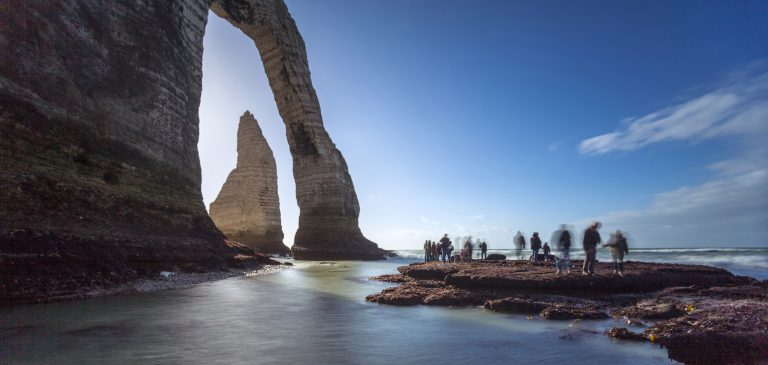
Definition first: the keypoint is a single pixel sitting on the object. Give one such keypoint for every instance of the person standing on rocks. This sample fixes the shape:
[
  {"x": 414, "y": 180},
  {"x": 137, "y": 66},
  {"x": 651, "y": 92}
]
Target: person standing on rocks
[
  {"x": 445, "y": 243},
  {"x": 619, "y": 247},
  {"x": 535, "y": 246},
  {"x": 519, "y": 241},
  {"x": 483, "y": 250},
  {"x": 591, "y": 240},
  {"x": 546, "y": 251},
  {"x": 468, "y": 249},
  {"x": 563, "y": 242}
]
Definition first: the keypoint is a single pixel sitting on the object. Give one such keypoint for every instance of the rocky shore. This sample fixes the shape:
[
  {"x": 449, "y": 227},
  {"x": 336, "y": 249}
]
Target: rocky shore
[
  {"x": 700, "y": 314},
  {"x": 58, "y": 276},
  {"x": 170, "y": 280}
]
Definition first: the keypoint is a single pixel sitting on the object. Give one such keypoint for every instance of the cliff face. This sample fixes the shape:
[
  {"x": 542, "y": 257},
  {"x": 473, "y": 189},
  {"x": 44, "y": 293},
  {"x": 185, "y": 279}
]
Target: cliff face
[
  {"x": 329, "y": 210},
  {"x": 99, "y": 171},
  {"x": 247, "y": 208}
]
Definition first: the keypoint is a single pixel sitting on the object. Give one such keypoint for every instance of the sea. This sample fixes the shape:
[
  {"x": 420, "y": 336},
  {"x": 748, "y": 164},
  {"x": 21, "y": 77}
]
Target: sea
[{"x": 316, "y": 313}]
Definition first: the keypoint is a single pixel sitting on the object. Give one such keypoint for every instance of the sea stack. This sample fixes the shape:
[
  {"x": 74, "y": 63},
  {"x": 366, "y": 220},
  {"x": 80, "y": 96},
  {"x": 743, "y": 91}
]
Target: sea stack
[
  {"x": 329, "y": 210},
  {"x": 247, "y": 208}
]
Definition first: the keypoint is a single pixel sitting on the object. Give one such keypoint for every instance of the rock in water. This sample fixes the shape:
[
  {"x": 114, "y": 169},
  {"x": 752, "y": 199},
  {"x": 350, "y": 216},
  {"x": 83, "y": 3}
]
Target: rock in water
[
  {"x": 496, "y": 256},
  {"x": 329, "y": 210},
  {"x": 248, "y": 207},
  {"x": 625, "y": 334},
  {"x": 99, "y": 169}
]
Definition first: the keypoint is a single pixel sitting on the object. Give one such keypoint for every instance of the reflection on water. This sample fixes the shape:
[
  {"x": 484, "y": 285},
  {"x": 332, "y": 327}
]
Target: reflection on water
[{"x": 313, "y": 314}]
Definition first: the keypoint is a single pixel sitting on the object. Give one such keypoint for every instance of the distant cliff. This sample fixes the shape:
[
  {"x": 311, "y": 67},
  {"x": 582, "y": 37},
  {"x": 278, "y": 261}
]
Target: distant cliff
[{"x": 247, "y": 208}]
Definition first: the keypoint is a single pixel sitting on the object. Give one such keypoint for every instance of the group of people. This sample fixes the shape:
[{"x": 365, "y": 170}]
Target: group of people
[
  {"x": 561, "y": 239},
  {"x": 536, "y": 246},
  {"x": 442, "y": 250},
  {"x": 617, "y": 243},
  {"x": 438, "y": 251}
]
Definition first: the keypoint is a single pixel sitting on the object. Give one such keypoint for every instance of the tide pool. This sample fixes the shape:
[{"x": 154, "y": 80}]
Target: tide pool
[{"x": 314, "y": 313}]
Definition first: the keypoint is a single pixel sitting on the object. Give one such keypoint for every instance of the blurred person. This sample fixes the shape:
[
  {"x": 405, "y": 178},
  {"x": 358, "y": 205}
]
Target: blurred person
[
  {"x": 591, "y": 240},
  {"x": 562, "y": 242},
  {"x": 427, "y": 250},
  {"x": 483, "y": 250},
  {"x": 535, "y": 245},
  {"x": 546, "y": 251},
  {"x": 435, "y": 252},
  {"x": 445, "y": 242},
  {"x": 619, "y": 248},
  {"x": 450, "y": 253},
  {"x": 468, "y": 248},
  {"x": 519, "y": 241}
]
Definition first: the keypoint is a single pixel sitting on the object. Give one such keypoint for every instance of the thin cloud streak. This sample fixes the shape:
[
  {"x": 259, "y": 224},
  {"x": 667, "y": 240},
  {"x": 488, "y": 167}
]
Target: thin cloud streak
[
  {"x": 738, "y": 107},
  {"x": 426, "y": 220},
  {"x": 732, "y": 207}
]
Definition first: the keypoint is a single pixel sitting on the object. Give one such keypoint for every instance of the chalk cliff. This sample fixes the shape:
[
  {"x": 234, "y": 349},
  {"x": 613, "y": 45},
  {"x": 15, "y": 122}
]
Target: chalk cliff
[
  {"x": 329, "y": 210},
  {"x": 247, "y": 208},
  {"x": 99, "y": 169}
]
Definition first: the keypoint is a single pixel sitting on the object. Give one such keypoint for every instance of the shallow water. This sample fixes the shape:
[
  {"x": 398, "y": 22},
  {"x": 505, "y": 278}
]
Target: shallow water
[{"x": 312, "y": 314}]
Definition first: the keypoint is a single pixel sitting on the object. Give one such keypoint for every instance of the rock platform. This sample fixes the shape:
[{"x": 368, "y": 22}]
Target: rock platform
[{"x": 701, "y": 314}]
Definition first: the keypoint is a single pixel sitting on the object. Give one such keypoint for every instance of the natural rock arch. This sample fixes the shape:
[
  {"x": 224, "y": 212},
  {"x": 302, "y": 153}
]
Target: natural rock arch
[
  {"x": 99, "y": 166},
  {"x": 329, "y": 209}
]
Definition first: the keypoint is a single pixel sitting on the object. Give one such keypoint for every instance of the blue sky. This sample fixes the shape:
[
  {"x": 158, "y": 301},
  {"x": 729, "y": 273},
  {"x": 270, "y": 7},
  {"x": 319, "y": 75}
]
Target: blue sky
[{"x": 486, "y": 117}]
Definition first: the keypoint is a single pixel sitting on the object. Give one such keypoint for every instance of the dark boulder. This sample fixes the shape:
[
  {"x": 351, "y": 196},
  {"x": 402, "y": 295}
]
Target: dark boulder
[
  {"x": 652, "y": 309},
  {"x": 515, "y": 305}
]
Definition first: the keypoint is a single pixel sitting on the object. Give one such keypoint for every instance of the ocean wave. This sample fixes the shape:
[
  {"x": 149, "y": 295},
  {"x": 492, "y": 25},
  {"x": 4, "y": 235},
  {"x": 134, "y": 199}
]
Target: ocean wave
[
  {"x": 408, "y": 255},
  {"x": 741, "y": 261},
  {"x": 711, "y": 250},
  {"x": 745, "y": 261}
]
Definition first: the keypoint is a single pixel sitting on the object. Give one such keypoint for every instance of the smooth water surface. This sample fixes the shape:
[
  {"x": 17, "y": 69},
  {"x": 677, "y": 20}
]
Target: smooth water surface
[{"x": 311, "y": 314}]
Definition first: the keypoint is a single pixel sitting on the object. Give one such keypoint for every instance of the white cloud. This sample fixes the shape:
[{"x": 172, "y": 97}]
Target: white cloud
[
  {"x": 738, "y": 107},
  {"x": 730, "y": 209}
]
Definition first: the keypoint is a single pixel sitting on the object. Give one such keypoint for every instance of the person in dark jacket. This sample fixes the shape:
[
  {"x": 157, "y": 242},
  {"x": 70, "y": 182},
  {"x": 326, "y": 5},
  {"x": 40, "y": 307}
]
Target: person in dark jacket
[
  {"x": 535, "y": 245},
  {"x": 546, "y": 251},
  {"x": 483, "y": 250},
  {"x": 427, "y": 250},
  {"x": 591, "y": 240},
  {"x": 445, "y": 242},
  {"x": 619, "y": 248}
]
